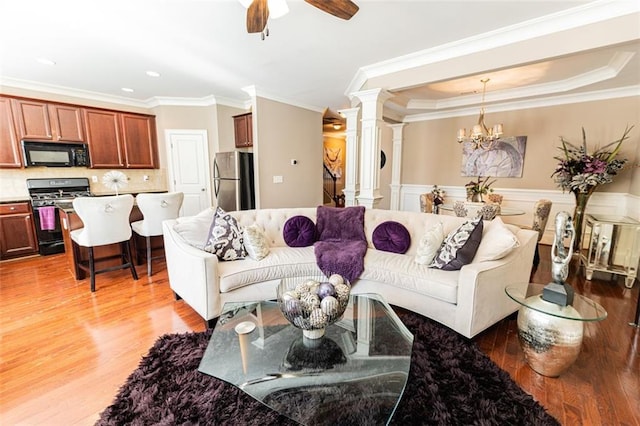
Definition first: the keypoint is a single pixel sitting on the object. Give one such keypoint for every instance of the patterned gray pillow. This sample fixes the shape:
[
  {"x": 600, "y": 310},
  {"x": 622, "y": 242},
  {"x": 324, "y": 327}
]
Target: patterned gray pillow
[
  {"x": 459, "y": 247},
  {"x": 225, "y": 237}
]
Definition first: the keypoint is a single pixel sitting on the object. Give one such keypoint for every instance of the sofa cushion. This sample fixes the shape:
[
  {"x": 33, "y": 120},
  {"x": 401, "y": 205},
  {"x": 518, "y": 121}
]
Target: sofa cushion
[
  {"x": 299, "y": 231},
  {"x": 400, "y": 271},
  {"x": 282, "y": 262},
  {"x": 429, "y": 244},
  {"x": 391, "y": 236},
  {"x": 225, "y": 237},
  {"x": 255, "y": 242},
  {"x": 459, "y": 247},
  {"x": 334, "y": 223},
  {"x": 497, "y": 242}
]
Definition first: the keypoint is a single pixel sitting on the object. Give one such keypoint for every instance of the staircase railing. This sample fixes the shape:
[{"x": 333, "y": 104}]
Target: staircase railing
[{"x": 330, "y": 188}]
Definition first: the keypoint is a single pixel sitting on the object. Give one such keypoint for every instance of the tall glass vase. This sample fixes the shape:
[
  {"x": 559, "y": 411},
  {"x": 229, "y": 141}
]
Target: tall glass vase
[{"x": 582, "y": 198}]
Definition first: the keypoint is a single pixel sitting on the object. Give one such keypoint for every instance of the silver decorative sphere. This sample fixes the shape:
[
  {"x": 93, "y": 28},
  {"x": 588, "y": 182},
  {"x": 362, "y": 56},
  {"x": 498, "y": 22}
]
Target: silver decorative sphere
[{"x": 313, "y": 304}]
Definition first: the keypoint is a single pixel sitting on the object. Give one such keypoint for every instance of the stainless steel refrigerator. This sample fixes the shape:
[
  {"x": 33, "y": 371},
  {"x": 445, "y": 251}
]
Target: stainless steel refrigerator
[{"x": 233, "y": 180}]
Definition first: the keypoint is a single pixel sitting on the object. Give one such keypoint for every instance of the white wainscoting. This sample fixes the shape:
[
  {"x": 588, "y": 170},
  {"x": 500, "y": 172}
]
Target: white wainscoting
[{"x": 524, "y": 199}]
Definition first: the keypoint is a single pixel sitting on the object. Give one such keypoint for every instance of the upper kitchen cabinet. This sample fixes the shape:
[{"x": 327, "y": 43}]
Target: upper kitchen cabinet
[
  {"x": 48, "y": 121},
  {"x": 243, "y": 129},
  {"x": 139, "y": 141},
  {"x": 103, "y": 138},
  {"x": 121, "y": 140},
  {"x": 9, "y": 148}
]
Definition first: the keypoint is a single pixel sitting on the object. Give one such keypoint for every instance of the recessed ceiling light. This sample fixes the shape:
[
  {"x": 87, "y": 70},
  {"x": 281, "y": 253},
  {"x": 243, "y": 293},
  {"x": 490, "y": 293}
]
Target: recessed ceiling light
[
  {"x": 126, "y": 89},
  {"x": 45, "y": 61},
  {"x": 153, "y": 74}
]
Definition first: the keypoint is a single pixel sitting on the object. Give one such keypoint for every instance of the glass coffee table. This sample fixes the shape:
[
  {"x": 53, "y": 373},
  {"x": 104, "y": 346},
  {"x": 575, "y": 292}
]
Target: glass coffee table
[
  {"x": 550, "y": 335},
  {"x": 358, "y": 370}
]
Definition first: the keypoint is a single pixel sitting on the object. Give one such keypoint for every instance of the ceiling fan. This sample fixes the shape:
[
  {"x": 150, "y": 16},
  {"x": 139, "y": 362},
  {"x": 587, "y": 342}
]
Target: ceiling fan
[{"x": 258, "y": 12}]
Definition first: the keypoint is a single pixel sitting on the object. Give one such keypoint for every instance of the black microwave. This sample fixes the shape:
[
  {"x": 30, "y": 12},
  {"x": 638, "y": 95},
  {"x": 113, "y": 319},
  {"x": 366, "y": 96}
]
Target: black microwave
[{"x": 54, "y": 154}]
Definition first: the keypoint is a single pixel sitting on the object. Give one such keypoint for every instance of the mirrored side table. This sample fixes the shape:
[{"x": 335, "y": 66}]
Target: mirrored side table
[
  {"x": 550, "y": 335},
  {"x": 613, "y": 246}
]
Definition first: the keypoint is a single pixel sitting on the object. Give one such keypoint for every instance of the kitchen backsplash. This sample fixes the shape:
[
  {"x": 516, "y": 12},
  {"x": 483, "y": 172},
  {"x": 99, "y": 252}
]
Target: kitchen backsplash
[{"x": 13, "y": 182}]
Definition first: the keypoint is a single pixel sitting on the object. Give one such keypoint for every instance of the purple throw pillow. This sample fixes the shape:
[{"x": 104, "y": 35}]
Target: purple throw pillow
[
  {"x": 299, "y": 231},
  {"x": 343, "y": 224},
  {"x": 391, "y": 236}
]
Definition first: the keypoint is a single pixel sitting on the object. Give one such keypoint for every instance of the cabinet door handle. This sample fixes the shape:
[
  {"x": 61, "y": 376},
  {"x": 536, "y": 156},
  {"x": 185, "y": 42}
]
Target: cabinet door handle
[{"x": 12, "y": 208}]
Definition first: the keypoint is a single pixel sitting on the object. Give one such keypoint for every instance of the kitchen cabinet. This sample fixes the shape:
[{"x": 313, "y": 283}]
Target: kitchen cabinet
[
  {"x": 243, "y": 130},
  {"x": 103, "y": 138},
  {"x": 46, "y": 121},
  {"x": 9, "y": 143},
  {"x": 121, "y": 140},
  {"x": 17, "y": 230},
  {"x": 139, "y": 141}
]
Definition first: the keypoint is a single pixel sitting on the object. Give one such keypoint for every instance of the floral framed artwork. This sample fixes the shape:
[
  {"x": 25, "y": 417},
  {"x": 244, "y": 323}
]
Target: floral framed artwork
[{"x": 504, "y": 159}]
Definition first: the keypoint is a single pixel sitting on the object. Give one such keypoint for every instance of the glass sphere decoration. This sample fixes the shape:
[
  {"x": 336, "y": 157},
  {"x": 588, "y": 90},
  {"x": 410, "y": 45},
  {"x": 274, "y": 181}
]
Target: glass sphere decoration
[{"x": 312, "y": 304}]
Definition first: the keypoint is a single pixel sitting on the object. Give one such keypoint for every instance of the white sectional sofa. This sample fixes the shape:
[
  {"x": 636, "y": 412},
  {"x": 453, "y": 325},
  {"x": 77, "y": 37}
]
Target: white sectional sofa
[{"x": 468, "y": 300}]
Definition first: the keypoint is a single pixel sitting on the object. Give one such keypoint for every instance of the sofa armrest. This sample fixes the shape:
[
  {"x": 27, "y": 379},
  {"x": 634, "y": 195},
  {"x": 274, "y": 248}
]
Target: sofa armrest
[
  {"x": 192, "y": 273},
  {"x": 482, "y": 300}
]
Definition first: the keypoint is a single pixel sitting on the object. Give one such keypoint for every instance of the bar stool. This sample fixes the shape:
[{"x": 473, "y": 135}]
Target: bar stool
[
  {"x": 155, "y": 208},
  {"x": 106, "y": 221}
]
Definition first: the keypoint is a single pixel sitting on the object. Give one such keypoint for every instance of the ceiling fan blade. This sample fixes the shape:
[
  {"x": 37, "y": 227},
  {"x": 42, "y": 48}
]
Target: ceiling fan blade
[
  {"x": 344, "y": 9},
  {"x": 257, "y": 15}
]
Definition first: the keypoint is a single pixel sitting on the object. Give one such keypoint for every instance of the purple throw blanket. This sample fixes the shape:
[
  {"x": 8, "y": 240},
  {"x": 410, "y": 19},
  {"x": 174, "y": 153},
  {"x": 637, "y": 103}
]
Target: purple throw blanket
[
  {"x": 341, "y": 257},
  {"x": 342, "y": 243}
]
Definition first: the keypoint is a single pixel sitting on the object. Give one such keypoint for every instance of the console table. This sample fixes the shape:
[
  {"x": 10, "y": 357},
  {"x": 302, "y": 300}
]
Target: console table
[
  {"x": 360, "y": 365},
  {"x": 614, "y": 246}
]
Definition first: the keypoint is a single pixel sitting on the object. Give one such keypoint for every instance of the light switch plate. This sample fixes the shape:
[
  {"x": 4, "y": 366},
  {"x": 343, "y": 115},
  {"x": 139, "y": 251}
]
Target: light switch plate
[{"x": 277, "y": 179}]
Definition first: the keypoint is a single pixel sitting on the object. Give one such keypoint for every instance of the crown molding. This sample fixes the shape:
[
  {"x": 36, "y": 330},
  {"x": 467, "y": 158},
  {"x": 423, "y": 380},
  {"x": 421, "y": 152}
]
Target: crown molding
[
  {"x": 622, "y": 92},
  {"x": 590, "y": 13},
  {"x": 617, "y": 62},
  {"x": 254, "y": 91}
]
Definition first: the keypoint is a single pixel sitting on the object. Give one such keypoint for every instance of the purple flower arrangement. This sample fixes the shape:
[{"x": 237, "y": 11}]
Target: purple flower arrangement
[{"x": 579, "y": 171}]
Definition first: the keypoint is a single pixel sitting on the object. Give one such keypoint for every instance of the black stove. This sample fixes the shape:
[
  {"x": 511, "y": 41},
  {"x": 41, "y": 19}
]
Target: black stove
[{"x": 45, "y": 194}]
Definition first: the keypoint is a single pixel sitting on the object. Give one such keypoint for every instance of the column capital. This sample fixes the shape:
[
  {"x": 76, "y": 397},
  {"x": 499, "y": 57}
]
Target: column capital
[{"x": 372, "y": 95}]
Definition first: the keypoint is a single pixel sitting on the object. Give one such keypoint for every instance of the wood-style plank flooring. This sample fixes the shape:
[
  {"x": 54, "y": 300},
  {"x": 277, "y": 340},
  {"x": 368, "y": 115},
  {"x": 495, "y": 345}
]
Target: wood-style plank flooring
[{"x": 64, "y": 351}]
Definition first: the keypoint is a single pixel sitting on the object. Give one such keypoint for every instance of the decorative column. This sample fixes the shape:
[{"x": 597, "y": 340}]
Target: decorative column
[
  {"x": 372, "y": 101},
  {"x": 352, "y": 169},
  {"x": 396, "y": 165}
]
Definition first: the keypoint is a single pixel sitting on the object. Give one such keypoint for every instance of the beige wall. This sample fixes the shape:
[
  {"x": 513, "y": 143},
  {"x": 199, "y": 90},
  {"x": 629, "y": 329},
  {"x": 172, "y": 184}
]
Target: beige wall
[
  {"x": 226, "y": 133},
  {"x": 431, "y": 154},
  {"x": 286, "y": 132}
]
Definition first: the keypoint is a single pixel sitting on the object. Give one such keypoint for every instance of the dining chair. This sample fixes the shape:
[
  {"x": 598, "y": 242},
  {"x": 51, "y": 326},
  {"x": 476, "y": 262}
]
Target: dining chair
[
  {"x": 106, "y": 221},
  {"x": 541, "y": 211},
  {"x": 155, "y": 209},
  {"x": 486, "y": 210},
  {"x": 426, "y": 202}
]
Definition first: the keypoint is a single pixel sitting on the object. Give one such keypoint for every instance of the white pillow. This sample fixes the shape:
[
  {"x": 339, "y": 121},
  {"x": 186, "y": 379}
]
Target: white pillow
[
  {"x": 429, "y": 244},
  {"x": 497, "y": 241},
  {"x": 194, "y": 229},
  {"x": 255, "y": 242}
]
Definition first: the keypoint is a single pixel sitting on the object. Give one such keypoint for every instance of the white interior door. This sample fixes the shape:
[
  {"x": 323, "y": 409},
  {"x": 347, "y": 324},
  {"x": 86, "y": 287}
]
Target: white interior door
[{"x": 189, "y": 168}]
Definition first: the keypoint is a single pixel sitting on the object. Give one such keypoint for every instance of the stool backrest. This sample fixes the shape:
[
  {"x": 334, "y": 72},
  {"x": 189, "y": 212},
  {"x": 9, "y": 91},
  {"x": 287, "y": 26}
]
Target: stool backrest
[
  {"x": 105, "y": 219},
  {"x": 156, "y": 208}
]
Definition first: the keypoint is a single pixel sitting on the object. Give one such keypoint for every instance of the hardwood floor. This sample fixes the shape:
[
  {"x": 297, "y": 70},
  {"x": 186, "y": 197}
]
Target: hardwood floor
[{"x": 64, "y": 351}]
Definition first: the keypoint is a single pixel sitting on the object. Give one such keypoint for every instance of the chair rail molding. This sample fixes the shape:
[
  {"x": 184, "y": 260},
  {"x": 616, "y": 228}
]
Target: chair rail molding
[{"x": 610, "y": 203}]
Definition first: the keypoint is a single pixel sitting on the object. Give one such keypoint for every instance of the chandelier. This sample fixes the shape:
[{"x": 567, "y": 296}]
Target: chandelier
[{"x": 481, "y": 136}]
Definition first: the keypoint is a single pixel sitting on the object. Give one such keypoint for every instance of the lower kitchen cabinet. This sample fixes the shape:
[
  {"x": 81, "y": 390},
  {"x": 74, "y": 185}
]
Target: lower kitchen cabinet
[{"x": 17, "y": 231}]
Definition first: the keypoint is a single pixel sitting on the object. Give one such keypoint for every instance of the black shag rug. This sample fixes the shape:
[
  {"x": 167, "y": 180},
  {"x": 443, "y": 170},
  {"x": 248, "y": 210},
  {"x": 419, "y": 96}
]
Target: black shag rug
[{"x": 451, "y": 382}]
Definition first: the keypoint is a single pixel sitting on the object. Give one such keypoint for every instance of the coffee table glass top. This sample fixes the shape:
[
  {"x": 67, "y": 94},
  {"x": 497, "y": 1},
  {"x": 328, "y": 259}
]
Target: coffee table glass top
[
  {"x": 584, "y": 309},
  {"x": 355, "y": 374}
]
